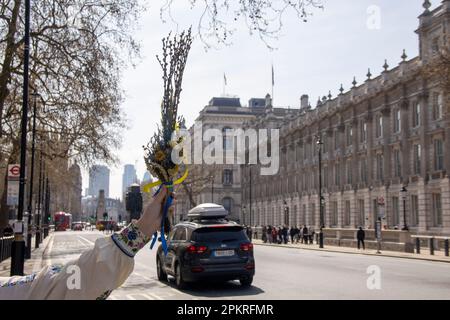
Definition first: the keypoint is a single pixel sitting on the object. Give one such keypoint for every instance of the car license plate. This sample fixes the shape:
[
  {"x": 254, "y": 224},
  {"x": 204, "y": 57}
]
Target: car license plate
[{"x": 224, "y": 253}]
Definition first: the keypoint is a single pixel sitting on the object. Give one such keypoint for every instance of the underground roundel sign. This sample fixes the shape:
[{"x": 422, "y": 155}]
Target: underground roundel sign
[{"x": 13, "y": 171}]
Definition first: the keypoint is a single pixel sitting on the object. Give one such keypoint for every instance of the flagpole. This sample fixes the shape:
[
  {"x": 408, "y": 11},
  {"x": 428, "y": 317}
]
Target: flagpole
[{"x": 273, "y": 82}]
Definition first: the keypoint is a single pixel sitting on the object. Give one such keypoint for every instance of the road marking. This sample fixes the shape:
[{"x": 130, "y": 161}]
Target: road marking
[
  {"x": 131, "y": 296},
  {"x": 155, "y": 296},
  {"x": 50, "y": 246},
  {"x": 88, "y": 241}
]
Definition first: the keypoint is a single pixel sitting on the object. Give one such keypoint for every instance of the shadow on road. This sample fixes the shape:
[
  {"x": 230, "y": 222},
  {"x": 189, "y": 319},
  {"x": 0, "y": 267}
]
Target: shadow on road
[{"x": 218, "y": 289}]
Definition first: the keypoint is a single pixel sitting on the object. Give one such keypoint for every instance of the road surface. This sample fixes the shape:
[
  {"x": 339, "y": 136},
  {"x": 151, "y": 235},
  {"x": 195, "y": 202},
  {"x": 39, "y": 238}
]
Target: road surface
[{"x": 281, "y": 273}]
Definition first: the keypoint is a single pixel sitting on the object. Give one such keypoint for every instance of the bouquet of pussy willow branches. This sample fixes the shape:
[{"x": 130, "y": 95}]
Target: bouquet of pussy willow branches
[{"x": 158, "y": 152}]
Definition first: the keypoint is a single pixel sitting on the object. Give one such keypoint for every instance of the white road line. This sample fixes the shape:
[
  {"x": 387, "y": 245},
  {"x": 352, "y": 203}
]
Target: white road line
[
  {"x": 155, "y": 296},
  {"x": 49, "y": 248},
  {"x": 88, "y": 241},
  {"x": 132, "y": 296}
]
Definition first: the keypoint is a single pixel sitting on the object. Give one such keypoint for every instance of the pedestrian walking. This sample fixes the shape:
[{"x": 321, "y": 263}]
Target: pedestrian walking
[
  {"x": 264, "y": 234},
  {"x": 360, "y": 236},
  {"x": 305, "y": 234},
  {"x": 292, "y": 234},
  {"x": 269, "y": 234}
]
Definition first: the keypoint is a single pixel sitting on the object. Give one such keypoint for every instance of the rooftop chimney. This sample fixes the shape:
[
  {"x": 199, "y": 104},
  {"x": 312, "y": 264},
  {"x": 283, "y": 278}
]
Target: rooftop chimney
[{"x": 304, "y": 102}]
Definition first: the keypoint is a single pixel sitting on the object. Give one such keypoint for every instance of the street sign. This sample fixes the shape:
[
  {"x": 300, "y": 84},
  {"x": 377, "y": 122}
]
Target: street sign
[
  {"x": 13, "y": 171},
  {"x": 12, "y": 197}
]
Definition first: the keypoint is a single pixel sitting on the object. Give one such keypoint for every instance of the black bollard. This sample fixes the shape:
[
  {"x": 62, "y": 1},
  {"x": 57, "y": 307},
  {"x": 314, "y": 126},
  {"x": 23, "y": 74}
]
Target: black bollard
[
  {"x": 417, "y": 245},
  {"x": 446, "y": 247},
  {"x": 432, "y": 246}
]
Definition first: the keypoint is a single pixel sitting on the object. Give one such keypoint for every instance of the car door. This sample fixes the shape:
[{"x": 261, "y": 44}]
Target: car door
[
  {"x": 172, "y": 247},
  {"x": 167, "y": 260}
]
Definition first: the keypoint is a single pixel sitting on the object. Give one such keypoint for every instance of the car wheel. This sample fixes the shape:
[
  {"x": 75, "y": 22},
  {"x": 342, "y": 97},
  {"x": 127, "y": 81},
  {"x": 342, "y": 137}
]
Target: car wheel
[
  {"x": 181, "y": 284},
  {"x": 162, "y": 276},
  {"x": 246, "y": 282}
]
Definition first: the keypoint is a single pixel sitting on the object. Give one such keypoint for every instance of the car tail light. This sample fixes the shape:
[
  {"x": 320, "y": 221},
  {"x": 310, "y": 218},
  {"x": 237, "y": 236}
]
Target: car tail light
[
  {"x": 246, "y": 246},
  {"x": 196, "y": 249},
  {"x": 197, "y": 269}
]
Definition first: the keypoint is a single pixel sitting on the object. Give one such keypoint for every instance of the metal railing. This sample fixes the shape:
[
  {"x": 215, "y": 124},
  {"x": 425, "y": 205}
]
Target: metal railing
[{"x": 5, "y": 247}]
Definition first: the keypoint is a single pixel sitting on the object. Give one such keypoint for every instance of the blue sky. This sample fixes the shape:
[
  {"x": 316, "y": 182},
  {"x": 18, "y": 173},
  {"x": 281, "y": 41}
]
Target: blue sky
[{"x": 311, "y": 58}]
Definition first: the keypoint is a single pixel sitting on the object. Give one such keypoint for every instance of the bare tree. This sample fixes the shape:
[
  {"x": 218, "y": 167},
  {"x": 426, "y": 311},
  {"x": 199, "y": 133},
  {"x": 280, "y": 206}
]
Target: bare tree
[{"x": 219, "y": 19}]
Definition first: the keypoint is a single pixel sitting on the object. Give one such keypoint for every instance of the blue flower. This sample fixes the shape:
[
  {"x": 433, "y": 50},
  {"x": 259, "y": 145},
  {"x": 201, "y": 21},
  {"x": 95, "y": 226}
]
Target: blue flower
[{"x": 132, "y": 235}]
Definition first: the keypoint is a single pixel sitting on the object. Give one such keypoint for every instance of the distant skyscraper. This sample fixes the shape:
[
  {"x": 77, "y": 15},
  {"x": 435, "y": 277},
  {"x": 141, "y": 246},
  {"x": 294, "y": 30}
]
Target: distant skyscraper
[
  {"x": 129, "y": 177},
  {"x": 147, "y": 177},
  {"x": 99, "y": 180}
]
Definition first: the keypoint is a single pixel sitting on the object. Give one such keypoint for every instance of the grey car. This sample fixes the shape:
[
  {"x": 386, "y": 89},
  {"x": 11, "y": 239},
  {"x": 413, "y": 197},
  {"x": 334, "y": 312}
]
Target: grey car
[{"x": 207, "y": 249}]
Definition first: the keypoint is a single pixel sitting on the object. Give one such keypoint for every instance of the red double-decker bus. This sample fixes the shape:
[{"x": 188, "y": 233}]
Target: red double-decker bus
[{"x": 63, "y": 221}]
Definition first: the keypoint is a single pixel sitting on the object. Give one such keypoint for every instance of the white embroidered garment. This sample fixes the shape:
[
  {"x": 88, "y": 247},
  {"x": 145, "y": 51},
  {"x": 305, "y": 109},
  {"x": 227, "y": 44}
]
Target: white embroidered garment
[{"x": 102, "y": 269}]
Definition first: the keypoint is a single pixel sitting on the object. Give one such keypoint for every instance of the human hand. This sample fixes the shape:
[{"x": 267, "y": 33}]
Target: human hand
[{"x": 150, "y": 221}]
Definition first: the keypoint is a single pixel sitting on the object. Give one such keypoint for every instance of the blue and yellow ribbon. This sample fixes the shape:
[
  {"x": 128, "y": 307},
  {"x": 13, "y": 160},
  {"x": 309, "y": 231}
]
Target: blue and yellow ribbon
[{"x": 169, "y": 200}]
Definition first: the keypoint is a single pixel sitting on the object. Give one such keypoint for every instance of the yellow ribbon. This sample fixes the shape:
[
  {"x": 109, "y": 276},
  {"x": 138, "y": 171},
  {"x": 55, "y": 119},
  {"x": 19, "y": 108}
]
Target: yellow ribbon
[{"x": 148, "y": 187}]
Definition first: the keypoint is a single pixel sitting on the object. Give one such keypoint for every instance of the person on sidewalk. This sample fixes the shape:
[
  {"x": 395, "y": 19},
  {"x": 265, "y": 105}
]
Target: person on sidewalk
[
  {"x": 264, "y": 234},
  {"x": 285, "y": 234},
  {"x": 292, "y": 234},
  {"x": 97, "y": 272},
  {"x": 269, "y": 234},
  {"x": 305, "y": 234},
  {"x": 360, "y": 236}
]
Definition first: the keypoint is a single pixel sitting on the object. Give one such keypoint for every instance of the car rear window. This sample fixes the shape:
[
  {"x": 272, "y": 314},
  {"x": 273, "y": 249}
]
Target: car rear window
[{"x": 219, "y": 234}]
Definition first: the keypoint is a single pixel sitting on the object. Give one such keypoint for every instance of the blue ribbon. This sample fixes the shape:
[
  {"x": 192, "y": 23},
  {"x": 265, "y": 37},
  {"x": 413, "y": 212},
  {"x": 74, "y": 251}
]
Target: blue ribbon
[{"x": 166, "y": 207}]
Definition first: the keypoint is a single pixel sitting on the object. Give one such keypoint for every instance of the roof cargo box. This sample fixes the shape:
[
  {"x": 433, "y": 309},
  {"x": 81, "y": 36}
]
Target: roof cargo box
[{"x": 207, "y": 211}]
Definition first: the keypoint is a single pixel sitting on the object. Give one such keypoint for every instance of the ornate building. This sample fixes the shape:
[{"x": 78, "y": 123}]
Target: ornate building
[
  {"x": 221, "y": 183},
  {"x": 389, "y": 134}
]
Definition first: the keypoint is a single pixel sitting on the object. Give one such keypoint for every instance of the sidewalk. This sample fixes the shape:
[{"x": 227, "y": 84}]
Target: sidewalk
[
  {"x": 438, "y": 255},
  {"x": 31, "y": 265}
]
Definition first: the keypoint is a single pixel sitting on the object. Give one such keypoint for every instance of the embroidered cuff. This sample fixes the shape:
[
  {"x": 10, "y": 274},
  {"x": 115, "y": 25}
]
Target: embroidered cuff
[{"x": 130, "y": 240}]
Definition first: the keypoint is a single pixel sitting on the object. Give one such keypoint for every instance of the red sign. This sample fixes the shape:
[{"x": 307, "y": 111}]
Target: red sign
[{"x": 13, "y": 171}]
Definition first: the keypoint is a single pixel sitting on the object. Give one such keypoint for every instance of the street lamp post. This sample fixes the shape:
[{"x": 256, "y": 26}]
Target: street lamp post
[
  {"x": 18, "y": 245},
  {"x": 286, "y": 213},
  {"x": 39, "y": 200},
  {"x": 321, "y": 200},
  {"x": 30, "y": 198},
  {"x": 404, "y": 193},
  {"x": 212, "y": 188}
]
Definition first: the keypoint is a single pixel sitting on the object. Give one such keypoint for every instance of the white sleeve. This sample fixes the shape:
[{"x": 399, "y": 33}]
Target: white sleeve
[{"x": 92, "y": 276}]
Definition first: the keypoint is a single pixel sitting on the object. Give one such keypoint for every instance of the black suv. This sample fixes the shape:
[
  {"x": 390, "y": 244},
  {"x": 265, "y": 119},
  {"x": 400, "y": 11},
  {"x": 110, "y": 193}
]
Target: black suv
[{"x": 207, "y": 249}]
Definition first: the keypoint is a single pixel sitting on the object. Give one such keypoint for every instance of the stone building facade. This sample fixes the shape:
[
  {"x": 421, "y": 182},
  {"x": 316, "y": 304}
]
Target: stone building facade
[
  {"x": 221, "y": 183},
  {"x": 390, "y": 132}
]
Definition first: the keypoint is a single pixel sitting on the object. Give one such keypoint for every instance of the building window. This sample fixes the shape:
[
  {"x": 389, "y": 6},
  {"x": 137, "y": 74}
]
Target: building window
[
  {"x": 416, "y": 114},
  {"x": 417, "y": 158},
  {"x": 227, "y": 177},
  {"x": 437, "y": 210},
  {"x": 414, "y": 211},
  {"x": 334, "y": 214},
  {"x": 397, "y": 121},
  {"x": 349, "y": 171},
  {"x": 379, "y": 166},
  {"x": 438, "y": 155},
  {"x": 395, "y": 211},
  {"x": 227, "y": 139},
  {"x": 379, "y": 126},
  {"x": 363, "y": 170},
  {"x": 435, "y": 46},
  {"x": 228, "y": 205},
  {"x": 347, "y": 213},
  {"x": 336, "y": 140},
  {"x": 337, "y": 176},
  {"x": 349, "y": 135},
  {"x": 361, "y": 214},
  {"x": 437, "y": 106},
  {"x": 397, "y": 163},
  {"x": 325, "y": 177},
  {"x": 362, "y": 131}
]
